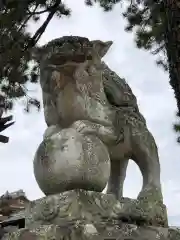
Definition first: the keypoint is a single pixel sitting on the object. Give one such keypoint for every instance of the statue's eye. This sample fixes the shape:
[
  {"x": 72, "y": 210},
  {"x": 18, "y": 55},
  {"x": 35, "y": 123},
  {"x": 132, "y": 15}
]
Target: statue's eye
[
  {"x": 64, "y": 147},
  {"x": 89, "y": 57}
]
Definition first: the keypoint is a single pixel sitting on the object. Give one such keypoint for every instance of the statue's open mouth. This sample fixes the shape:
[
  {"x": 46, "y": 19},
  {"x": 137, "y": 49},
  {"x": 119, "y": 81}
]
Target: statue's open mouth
[{"x": 60, "y": 59}]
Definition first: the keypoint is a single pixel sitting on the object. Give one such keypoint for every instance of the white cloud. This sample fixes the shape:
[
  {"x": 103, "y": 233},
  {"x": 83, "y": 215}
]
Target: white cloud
[{"x": 148, "y": 82}]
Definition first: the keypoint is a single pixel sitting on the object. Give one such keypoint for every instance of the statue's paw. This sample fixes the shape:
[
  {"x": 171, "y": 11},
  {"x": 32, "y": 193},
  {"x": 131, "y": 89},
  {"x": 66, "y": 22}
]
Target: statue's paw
[
  {"x": 151, "y": 193},
  {"x": 80, "y": 126},
  {"x": 143, "y": 212},
  {"x": 51, "y": 130},
  {"x": 108, "y": 135}
]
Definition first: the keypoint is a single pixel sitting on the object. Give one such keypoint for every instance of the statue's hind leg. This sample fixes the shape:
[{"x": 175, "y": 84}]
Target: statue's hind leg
[
  {"x": 117, "y": 177},
  {"x": 149, "y": 206},
  {"x": 145, "y": 154}
]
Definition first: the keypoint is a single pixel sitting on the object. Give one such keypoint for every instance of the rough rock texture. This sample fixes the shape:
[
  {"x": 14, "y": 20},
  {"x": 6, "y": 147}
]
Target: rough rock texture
[
  {"x": 105, "y": 230},
  {"x": 79, "y": 214},
  {"x": 92, "y": 206}
]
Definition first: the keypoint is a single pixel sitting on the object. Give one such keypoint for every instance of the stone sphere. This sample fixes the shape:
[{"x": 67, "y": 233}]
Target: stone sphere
[{"x": 68, "y": 160}]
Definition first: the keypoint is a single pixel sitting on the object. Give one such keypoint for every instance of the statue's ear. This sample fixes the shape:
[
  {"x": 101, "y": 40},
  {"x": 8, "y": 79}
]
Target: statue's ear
[
  {"x": 101, "y": 47},
  {"x": 36, "y": 53}
]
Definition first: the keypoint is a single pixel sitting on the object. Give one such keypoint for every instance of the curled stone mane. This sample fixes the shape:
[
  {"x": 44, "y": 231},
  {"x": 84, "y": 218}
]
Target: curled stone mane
[
  {"x": 74, "y": 41},
  {"x": 69, "y": 47}
]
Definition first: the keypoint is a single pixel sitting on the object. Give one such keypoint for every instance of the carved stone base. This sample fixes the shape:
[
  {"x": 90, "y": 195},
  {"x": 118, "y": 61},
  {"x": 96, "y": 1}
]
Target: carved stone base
[
  {"x": 80, "y": 214},
  {"x": 104, "y": 230},
  {"x": 93, "y": 207}
]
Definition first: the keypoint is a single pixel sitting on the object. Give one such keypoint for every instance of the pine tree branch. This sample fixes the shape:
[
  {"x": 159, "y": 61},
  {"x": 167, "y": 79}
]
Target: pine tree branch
[
  {"x": 28, "y": 18},
  {"x": 43, "y": 27},
  {"x": 4, "y": 139},
  {"x": 3, "y": 126},
  {"x": 41, "y": 12}
]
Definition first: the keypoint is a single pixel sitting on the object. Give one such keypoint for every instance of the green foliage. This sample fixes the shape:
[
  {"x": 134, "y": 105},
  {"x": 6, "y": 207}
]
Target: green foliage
[
  {"x": 16, "y": 43},
  {"x": 107, "y": 5},
  {"x": 147, "y": 19},
  {"x": 177, "y": 127},
  {"x": 155, "y": 25}
]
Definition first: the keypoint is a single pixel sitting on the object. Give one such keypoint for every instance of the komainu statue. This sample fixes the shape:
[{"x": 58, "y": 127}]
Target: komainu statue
[{"x": 81, "y": 92}]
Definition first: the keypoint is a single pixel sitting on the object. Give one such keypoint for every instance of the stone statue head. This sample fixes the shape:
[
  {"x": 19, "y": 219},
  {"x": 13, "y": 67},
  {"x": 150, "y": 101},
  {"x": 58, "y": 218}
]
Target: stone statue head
[{"x": 70, "y": 51}]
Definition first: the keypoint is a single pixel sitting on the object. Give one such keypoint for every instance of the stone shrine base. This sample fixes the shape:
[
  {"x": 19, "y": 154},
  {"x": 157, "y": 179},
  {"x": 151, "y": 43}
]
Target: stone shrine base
[
  {"x": 103, "y": 230},
  {"x": 80, "y": 215}
]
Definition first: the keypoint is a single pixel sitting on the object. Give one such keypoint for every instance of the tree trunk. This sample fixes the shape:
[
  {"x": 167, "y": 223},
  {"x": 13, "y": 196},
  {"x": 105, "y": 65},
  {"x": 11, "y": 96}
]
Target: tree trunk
[{"x": 172, "y": 41}]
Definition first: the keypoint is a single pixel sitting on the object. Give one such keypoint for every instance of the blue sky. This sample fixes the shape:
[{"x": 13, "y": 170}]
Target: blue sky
[{"x": 149, "y": 83}]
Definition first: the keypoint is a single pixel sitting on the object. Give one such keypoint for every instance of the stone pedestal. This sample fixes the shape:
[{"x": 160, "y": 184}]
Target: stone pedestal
[
  {"x": 102, "y": 231},
  {"x": 79, "y": 214}
]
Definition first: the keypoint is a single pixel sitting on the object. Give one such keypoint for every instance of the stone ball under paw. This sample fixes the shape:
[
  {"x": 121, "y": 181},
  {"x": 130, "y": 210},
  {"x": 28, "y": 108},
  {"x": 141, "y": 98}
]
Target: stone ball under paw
[{"x": 68, "y": 160}]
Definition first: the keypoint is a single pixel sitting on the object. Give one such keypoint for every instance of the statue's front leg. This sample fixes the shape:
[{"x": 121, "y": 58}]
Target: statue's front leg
[
  {"x": 51, "y": 130},
  {"x": 117, "y": 177},
  {"x": 105, "y": 133},
  {"x": 85, "y": 127}
]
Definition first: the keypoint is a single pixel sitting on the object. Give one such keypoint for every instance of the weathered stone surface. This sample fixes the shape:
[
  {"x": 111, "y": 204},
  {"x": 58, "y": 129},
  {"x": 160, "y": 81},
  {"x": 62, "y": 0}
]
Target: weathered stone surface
[
  {"x": 174, "y": 233},
  {"x": 93, "y": 119},
  {"x": 68, "y": 160},
  {"x": 87, "y": 215},
  {"x": 77, "y": 85},
  {"x": 92, "y": 207},
  {"x": 104, "y": 230},
  {"x": 71, "y": 205},
  {"x": 148, "y": 208},
  {"x": 144, "y": 212}
]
